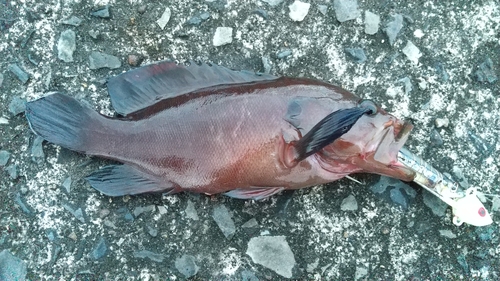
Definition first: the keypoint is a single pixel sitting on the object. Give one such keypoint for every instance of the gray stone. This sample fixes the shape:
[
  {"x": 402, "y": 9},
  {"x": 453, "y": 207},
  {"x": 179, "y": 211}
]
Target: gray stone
[
  {"x": 100, "y": 60},
  {"x": 139, "y": 210},
  {"x": 224, "y": 221},
  {"x": 186, "y": 265},
  {"x": 152, "y": 230},
  {"x": 393, "y": 28},
  {"x": 346, "y": 9},
  {"x": 191, "y": 211},
  {"x": 12, "y": 171},
  {"x": 17, "y": 105},
  {"x": 273, "y": 2},
  {"x": 94, "y": 33},
  {"x": 437, "y": 206},
  {"x": 412, "y": 52},
  {"x": 356, "y": 54},
  {"x": 1, "y": 79},
  {"x": 100, "y": 249},
  {"x": 398, "y": 198},
  {"x": 298, "y": 10},
  {"x": 67, "y": 184},
  {"x": 223, "y": 36},
  {"x": 251, "y": 223},
  {"x": 407, "y": 83},
  {"x": 272, "y": 252},
  {"x": 198, "y": 19},
  {"x": 20, "y": 74},
  {"x": 360, "y": 273},
  {"x": 486, "y": 72},
  {"x": 436, "y": 139},
  {"x": 349, "y": 204},
  {"x": 247, "y": 275},
  {"x": 145, "y": 254},
  {"x": 267, "y": 64},
  {"x": 323, "y": 9},
  {"x": 66, "y": 45},
  {"x": 495, "y": 205},
  {"x": 78, "y": 213},
  {"x": 37, "y": 149},
  {"x": 12, "y": 268},
  {"x": 22, "y": 204},
  {"x": 165, "y": 17},
  {"x": 447, "y": 233},
  {"x": 4, "y": 157},
  {"x": 102, "y": 13},
  {"x": 284, "y": 53},
  {"x": 372, "y": 22},
  {"x": 74, "y": 21}
]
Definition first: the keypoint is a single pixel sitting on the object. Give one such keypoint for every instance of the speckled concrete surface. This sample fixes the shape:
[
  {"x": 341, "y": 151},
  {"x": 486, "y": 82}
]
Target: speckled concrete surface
[{"x": 442, "y": 64}]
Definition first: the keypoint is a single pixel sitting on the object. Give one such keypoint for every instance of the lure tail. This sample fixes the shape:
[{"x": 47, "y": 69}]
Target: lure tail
[{"x": 62, "y": 120}]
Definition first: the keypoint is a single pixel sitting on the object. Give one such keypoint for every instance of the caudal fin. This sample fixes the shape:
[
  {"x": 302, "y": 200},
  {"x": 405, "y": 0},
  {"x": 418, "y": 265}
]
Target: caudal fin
[{"x": 62, "y": 120}]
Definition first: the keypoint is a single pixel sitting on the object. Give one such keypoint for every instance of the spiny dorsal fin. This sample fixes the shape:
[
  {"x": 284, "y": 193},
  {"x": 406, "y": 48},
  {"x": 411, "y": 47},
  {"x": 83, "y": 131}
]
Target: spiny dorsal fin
[{"x": 144, "y": 86}]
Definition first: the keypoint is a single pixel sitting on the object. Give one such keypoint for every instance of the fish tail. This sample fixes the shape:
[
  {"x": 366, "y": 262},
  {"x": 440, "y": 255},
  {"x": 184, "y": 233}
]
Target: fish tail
[{"x": 62, "y": 120}]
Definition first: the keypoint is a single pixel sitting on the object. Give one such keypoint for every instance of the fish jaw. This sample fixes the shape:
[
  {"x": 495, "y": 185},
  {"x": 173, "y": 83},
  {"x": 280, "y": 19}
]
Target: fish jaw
[{"x": 372, "y": 145}]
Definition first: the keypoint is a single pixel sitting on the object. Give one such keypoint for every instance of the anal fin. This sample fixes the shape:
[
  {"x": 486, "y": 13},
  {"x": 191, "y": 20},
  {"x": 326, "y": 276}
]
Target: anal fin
[
  {"x": 255, "y": 193},
  {"x": 119, "y": 180}
]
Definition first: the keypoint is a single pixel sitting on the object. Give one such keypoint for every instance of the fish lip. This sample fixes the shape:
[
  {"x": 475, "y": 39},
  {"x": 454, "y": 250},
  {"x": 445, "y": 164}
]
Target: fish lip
[{"x": 392, "y": 141}]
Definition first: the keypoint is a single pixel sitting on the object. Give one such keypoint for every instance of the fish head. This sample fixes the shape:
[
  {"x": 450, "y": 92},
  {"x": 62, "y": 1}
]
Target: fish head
[{"x": 372, "y": 145}]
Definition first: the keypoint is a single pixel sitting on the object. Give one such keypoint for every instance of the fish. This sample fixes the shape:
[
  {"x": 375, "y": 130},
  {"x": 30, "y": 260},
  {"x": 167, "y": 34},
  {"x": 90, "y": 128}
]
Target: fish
[{"x": 204, "y": 128}]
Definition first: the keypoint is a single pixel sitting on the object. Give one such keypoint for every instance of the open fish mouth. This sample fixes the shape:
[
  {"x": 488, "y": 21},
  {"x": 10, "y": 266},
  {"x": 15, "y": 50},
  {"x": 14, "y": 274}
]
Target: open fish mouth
[{"x": 393, "y": 140}]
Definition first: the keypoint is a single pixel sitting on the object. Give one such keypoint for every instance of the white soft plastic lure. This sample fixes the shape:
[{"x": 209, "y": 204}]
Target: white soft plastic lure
[{"x": 466, "y": 206}]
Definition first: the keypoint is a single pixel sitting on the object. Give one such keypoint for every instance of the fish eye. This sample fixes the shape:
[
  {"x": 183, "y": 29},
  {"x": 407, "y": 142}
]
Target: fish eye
[{"x": 369, "y": 105}]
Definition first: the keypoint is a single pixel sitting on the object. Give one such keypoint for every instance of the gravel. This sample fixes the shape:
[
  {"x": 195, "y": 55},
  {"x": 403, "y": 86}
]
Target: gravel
[{"x": 455, "y": 79}]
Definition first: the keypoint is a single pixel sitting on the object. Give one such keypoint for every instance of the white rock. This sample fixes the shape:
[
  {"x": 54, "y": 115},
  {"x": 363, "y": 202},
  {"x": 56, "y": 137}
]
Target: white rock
[
  {"x": 223, "y": 36},
  {"x": 372, "y": 22},
  {"x": 273, "y": 2},
  {"x": 66, "y": 45},
  {"x": 418, "y": 33},
  {"x": 442, "y": 122},
  {"x": 272, "y": 252},
  {"x": 447, "y": 233},
  {"x": 162, "y": 22},
  {"x": 298, "y": 10},
  {"x": 412, "y": 52}
]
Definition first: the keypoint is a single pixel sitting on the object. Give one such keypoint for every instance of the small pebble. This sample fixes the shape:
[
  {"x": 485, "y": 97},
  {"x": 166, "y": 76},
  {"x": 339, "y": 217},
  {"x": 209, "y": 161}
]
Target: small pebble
[
  {"x": 4, "y": 157},
  {"x": 272, "y": 252},
  {"x": 441, "y": 71},
  {"x": 12, "y": 171},
  {"x": 436, "y": 139},
  {"x": 393, "y": 28},
  {"x": 143, "y": 254},
  {"x": 19, "y": 73},
  {"x": 495, "y": 205},
  {"x": 267, "y": 64},
  {"x": 486, "y": 72},
  {"x": 398, "y": 198},
  {"x": 165, "y": 17},
  {"x": 74, "y": 21},
  {"x": 418, "y": 33},
  {"x": 447, "y": 233},
  {"x": 4, "y": 121},
  {"x": 372, "y": 23},
  {"x": 273, "y": 2},
  {"x": 17, "y": 105},
  {"x": 100, "y": 60},
  {"x": 422, "y": 85},
  {"x": 153, "y": 231},
  {"x": 51, "y": 234},
  {"x": 67, "y": 184},
  {"x": 134, "y": 60},
  {"x": 463, "y": 262},
  {"x": 298, "y": 10},
  {"x": 186, "y": 265},
  {"x": 66, "y": 45},
  {"x": 100, "y": 249},
  {"x": 247, "y": 275},
  {"x": 198, "y": 19},
  {"x": 442, "y": 122},
  {"x": 346, "y": 9},
  {"x": 12, "y": 268},
  {"x": 356, "y": 54},
  {"x": 37, "y": 149},
  {"x": 141, "y": 9},
  {"x": 412, "y": 52},
  {"x": 78, "y": 213},
  {"x": 139, "y": 210},
  {"x": 1, "y": 79},
  {"x": 283, "y": 54},
  {"x": 94, "y": 33},
  {"x": 360, "y": 273},
  {"x": 190, "y": 211},
  {"x": 349, "y": 204},
  {"x": 223, "y": 36},
  {"x": 102, "y": 13},
  {"x": 223, "y": 219},
  {"x": 323, "y": 9},
  {"x": 251, "y": 223},
  {"x": 22, "y": 204},
  {"x": 127, "y": 215}
]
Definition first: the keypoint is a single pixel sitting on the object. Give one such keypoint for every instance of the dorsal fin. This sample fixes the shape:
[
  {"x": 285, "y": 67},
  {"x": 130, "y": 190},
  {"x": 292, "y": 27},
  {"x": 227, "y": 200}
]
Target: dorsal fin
[{"x": 144, "y": 86}]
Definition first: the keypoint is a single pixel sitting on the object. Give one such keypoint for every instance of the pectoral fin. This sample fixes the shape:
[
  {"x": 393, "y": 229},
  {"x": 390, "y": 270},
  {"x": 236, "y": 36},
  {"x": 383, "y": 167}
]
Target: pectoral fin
[
  {"x": 326, "y": 131},
  {"x": 119, "y": 180},
  {"x": 255, "y": 193}
]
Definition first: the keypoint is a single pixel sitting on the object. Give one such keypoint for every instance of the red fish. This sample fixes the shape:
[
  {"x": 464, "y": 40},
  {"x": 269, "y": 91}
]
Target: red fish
[{"x": 207, "y": 129}]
